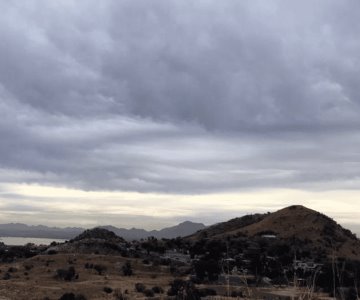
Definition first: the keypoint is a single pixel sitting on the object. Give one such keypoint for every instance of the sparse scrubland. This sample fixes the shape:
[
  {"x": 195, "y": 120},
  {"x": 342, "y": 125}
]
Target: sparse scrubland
[{"x": 293, "y": 252}]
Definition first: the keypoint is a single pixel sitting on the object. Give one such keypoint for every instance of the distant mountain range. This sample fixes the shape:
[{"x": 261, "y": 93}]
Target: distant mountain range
[
  {"x": 180, "y": 230},
  {"x": 41, "y": 231}
]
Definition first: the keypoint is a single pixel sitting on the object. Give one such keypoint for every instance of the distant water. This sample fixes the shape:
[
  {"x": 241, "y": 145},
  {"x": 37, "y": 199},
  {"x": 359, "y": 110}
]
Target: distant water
[{"x": 20, "y": 241}]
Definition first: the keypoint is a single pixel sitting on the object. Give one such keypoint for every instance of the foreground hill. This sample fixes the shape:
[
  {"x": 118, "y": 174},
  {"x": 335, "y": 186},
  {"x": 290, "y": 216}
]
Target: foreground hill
[{"x": 291, "y": 223}]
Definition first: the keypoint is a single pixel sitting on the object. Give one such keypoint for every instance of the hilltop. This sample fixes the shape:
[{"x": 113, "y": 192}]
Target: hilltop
[
  {"x": 96, "y": 240},
  {"x": 296, "y": 222},
  {"x": 98, "y": 234}
]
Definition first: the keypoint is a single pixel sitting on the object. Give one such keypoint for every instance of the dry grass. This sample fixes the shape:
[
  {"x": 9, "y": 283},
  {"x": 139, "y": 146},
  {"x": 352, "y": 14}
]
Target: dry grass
[{"x": 39, "y": 281}]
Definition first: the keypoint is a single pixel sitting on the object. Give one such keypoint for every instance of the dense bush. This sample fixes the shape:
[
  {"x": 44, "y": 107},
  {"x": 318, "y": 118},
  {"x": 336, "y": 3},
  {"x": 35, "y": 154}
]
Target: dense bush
[
  {"x": 206, "y": 292},
  {"x": 183, "y": 289},
  {"x": 28, "y": 267},
  {"x": 207, "y": 269},
  {"x": 127, "y": 269},
  {"x": 72, "y": 296},
  {"x": 157, "y": 290},
  {"x": 119, "y": 295},
  {"x": 236, "y": 294},
  {"x": 149, "y": 293},
  {"x": 89, "y": 266},
  {"x": 140, "y": 287},
  {"x": 100, "y": 269},
  {"x": 12, "y": 270},
  {"x": 67, "y": 275},
  {"x": 107, "y": 290}
]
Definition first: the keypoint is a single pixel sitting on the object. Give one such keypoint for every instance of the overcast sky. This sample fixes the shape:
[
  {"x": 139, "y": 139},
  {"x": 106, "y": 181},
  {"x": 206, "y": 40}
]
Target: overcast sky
[{"x": 146, "y": 113}]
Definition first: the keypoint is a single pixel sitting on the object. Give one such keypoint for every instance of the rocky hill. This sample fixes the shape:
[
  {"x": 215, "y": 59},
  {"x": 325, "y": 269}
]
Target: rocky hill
[
  {"x": 291, "y": 223},
  {"x": 98, "y": 234},
  {"x": 97, "y": 240}
]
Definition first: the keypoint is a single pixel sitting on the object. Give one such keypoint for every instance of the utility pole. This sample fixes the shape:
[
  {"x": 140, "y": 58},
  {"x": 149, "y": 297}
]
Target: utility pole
[
  {"x": 228, "y": 271},
  {"x": 294, "y": 285}
]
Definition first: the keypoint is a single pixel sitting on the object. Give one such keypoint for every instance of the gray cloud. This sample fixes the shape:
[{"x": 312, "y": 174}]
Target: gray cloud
[{"x": 180, "y": 97}]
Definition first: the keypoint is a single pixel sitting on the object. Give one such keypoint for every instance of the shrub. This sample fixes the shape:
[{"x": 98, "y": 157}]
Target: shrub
[
  {"x": 67, "y": 296},
  {"x": 140, "y": 287},
  {"x": 119, "y": 295},
  {"x": 67, "y": 275},
  {"x": 157, "y": 290},
  {"x": 72, "y": 296},
  {"x": 127, "y": 269},
  {"x": 181, "y": 288},
  {"x": 108, "y": 290},
  {"x": 237, "y": 294},
  {"x": 207, "y": 292},
  {"x": 12, "y": 270},
  {"x": 100, "y": 269},
  {"x": 176, "y": 286},
  {"x": 149, "y": 293},
  {"x": 28, "y": 267},
  {"x": 89, "y": 266}
]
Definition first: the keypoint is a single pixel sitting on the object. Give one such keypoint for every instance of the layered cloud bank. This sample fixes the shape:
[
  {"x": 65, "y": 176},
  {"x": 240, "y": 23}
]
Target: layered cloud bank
[{"x": 179, "y": 98}]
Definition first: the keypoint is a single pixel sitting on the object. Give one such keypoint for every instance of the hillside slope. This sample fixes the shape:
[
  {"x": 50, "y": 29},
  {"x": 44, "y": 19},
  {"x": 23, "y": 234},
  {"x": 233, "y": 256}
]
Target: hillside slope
[
  {"x": 291, "y": 223},
  {"x": 224, "y": 228}
]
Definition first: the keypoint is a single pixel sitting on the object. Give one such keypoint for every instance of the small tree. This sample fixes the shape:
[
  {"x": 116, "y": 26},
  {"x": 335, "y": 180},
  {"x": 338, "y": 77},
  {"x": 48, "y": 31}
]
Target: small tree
[
  {"x": 72, "y": 296},
  {"x": 100, "y": 269},
  {"x": 67, "y": 275},
  {"x": 127, "y": 269},
  {"x": 140, "y": 287}
]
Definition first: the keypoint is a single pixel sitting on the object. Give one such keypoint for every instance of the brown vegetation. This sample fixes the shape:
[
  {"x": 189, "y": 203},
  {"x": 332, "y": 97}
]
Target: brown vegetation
[{"x": 50, "y": 277}]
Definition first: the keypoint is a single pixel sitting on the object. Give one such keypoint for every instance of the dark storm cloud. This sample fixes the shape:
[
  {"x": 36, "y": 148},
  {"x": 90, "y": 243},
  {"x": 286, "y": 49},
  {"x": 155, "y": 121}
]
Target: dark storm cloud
[{"x": 180, "y": 96}]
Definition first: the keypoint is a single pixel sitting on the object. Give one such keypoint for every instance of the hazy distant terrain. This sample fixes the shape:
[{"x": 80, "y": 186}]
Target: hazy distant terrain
[
  {"x": 40, "y": 231},
  {"x": 182, "y": 229}
]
